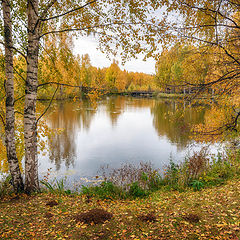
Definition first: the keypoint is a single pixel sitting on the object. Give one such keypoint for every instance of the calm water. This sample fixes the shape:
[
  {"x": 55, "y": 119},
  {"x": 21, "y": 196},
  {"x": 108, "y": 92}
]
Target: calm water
[{"x": 118, "y": 130}]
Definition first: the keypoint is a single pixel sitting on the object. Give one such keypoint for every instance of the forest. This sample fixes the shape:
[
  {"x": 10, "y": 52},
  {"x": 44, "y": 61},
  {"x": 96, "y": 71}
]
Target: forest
[{"x": 165, "y": 145}]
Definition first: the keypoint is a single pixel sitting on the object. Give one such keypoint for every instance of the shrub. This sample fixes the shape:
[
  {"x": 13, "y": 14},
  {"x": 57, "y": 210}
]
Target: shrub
[
  {"x": 6, "y": 187},
  {"x": 145, "y": 175},
  {"x": 106, "y": 190},
  {"x": 218, "y": 171},
  {"x": 155, "y": 181},
  {"x": 128, "y": 181},
  {"x": 171, "y": 174},
  {"x": 201, "y": 169},
  {"x": 197, "y": 185},
  {"x": 197, "y": 164},
  {"x": 56, "y": 187},
  {"x": 136, "y": 191}
]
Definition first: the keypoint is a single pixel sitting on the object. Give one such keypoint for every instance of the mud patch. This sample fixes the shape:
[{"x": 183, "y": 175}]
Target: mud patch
[
  {"x": 52, "y": 203},
  {"x": 192, "y": 218},
  {"x": 150, "y": 217},
  {"x": 48, "y": 215},
  {"x": 95, "y": 215}
]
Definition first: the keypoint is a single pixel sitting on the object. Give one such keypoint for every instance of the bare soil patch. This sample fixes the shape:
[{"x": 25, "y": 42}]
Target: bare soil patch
[{"x": 95, "y": 215}]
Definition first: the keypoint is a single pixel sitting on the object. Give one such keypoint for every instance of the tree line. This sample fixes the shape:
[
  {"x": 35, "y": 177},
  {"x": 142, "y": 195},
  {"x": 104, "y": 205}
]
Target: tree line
[{"x": 58, "y": 64}]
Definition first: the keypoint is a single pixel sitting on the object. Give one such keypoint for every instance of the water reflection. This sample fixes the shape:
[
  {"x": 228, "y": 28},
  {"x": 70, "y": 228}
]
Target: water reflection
[
  {"x": 175, "y": 119},
  {"x": 68, "y": 117},
  {"x": 121, "y": 129}
]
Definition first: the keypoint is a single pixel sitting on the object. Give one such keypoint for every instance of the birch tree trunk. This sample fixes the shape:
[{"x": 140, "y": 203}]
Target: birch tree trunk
[
  {"x": 30, "y": 122},
  {"x": 9, "y": 87}
]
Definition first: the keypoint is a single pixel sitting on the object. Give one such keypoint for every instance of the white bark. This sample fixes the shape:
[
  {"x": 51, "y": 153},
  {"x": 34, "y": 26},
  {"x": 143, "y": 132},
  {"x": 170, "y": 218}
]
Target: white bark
[
  {"x": 30, "y": 122},
  {"x": 9, "y": 87}
]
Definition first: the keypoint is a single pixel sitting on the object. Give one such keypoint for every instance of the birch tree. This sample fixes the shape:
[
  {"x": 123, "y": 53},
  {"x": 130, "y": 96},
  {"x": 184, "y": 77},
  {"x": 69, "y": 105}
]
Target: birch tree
[{"x": 9, "y": 88}]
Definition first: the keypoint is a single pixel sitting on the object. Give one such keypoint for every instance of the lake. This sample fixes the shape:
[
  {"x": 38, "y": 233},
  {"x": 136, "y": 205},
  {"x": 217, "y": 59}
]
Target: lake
[{"x": 115, "y": 131}]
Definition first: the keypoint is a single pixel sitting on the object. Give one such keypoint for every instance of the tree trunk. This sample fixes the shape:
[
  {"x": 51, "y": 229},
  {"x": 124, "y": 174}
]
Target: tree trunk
[
  {"x": 30, "y": 122},
  {"x": 9, "y": 87}
]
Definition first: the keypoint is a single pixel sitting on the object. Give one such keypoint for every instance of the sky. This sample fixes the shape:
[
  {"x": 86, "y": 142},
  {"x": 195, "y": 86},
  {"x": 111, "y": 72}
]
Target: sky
[{"x": 89, "y": 45}]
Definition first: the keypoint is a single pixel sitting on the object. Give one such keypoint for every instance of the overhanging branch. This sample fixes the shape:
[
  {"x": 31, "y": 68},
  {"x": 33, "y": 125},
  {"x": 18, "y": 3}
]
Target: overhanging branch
[
  {"x": 2, "y": 119},
  {"x": 18, "y": 51},
  {"x": 48, "y": 105},
  {"x": 97, "y": 26},
  {"x": 68, "y": 12},
  {"x": 47, "y": 9},
  {"x": 209, "y": 10}
]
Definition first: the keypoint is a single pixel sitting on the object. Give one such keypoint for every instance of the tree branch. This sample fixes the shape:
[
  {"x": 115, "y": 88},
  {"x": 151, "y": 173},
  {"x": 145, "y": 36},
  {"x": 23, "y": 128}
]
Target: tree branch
[
  {"x": 19, "y": 74},
  {"x": 209, "y": 84},
  {"x": 216, "y": 44},
  {"x": 25, "y": 57},
  {"x": 207, "y": 25},
  {"x": 230, "y": 55},
  {"x": 209, "y": 9},
  {"x": 48, "y": 105},
  {"x": 68, "y": 12},
  {"x": 72, "y": 86},
  {"x": 19, "y": 98},
  {"x": 33, "y": 7},
  {"x": 92, "y": 27},
  {"x": 60, "y": 84},
  {"x": 19, "y": 113},
  {"x": 233, "y": 124},
  {"x": 47, "y": 8},
  {"x": 2, "y": 119},
  {"x": 233, "y": 3},
  {"x": 215, "y": 19}
]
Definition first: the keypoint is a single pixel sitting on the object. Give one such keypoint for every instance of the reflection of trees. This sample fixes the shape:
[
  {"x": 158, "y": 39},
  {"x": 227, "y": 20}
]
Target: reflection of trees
[
  {"x": 114, "y": 107},
  {"x": 117, "y": 104},
  {"x": 69, "y": 117},
  {"x": 141, "y": 102},
  {"x": 172, "y": 119},
  {"x": 175, "y": 119}
]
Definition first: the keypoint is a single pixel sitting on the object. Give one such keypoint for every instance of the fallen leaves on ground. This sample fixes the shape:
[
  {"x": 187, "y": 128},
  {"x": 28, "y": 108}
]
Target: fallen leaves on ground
[{"x": 213, "y": 213}]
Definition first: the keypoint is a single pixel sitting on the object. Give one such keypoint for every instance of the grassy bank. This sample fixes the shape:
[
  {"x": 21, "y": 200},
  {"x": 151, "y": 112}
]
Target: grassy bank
[
  {"x": 197, "y": 199},
  {"x": 170, "y": 95},
  {"x": 199, "y": 170},
  {"x": 212, "y": 213}
]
